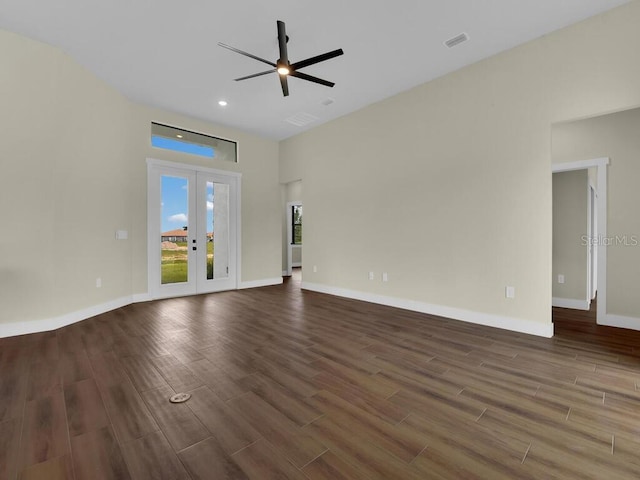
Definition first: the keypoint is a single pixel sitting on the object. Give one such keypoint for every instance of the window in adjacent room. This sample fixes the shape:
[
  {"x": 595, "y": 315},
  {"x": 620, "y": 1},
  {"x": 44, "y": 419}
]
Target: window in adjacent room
[
  {"x": 185, "y": 141},
  {"x": 296, "y": 225}
]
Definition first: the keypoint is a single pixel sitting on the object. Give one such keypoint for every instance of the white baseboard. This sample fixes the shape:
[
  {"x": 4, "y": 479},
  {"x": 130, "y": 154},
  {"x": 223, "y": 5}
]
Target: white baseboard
[
  {"x": 620, "y": 321},
  {"x": 141, "y": 297},
  {"x": 570, "y": 303},
  {"x": 264, "y": 282},
  {"x": 47, "y": 324},
  {"x": 514, "y": 324},
  {"x": 497, "y": 321}
]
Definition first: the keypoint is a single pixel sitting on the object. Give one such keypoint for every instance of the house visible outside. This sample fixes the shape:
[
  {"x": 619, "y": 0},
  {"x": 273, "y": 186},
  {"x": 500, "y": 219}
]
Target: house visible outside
[
  {"x": 177, "y": 235},
  {"x": 175, "y": 255}
]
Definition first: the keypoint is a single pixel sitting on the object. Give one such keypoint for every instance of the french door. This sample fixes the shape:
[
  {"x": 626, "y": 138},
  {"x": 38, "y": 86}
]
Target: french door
[{"x": 192, "y": 228}]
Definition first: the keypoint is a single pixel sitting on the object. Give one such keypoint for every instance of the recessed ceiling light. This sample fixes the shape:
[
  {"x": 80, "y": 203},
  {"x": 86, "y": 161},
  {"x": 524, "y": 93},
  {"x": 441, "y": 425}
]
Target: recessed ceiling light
[
  {"x": 179, "y": 136},
  {"x": 222, "y": 103}
]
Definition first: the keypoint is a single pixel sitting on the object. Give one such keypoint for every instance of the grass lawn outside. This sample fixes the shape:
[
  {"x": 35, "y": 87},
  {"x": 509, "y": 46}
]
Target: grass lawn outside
[{"x": 174, "y": 268}]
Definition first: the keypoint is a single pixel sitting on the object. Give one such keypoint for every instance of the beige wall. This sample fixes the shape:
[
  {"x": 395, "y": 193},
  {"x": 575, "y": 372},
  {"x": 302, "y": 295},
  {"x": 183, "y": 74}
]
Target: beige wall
[
  {"x": 570, "y": 252},
  {"x": 73, "y": 171},
  {"x": 614, "y": 136},
  {"x": 64, "y": 185},
  {"x": 448, "y": 186}
]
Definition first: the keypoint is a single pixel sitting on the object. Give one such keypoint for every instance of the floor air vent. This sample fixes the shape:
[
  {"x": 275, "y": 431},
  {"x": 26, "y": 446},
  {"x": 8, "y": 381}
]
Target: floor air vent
[{"x": 180, "y": 397}]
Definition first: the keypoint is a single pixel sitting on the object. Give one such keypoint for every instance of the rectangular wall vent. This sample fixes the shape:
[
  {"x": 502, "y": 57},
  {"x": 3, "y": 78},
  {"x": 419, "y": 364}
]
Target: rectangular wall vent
[{"x": 457, "y": 40}]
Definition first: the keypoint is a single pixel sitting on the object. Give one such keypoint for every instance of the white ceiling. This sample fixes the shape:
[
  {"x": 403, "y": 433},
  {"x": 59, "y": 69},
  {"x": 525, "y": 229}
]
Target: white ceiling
[{"x": 164, "y": 53}]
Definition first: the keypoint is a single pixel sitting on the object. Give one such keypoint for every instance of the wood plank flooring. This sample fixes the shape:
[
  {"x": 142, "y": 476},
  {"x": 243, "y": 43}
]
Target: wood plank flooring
[{"x": 288, "y": 384}]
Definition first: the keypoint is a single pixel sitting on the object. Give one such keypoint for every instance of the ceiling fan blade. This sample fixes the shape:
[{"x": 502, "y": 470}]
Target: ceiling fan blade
[
  {"x": 317, "y": 59},
  {"x": 282, "y": 43},
  {"x": 228, "y": 47},
  {"x": 310, "y": 78},
  {"x": 284, "y": 84},
  {"x": 255, "y": 75}
]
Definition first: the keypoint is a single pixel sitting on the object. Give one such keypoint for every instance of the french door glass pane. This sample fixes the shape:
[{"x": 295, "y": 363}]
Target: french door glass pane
[
  {"x": 210, "y": 242},
  {"x": 174, "y": 221},
  {"x": 217, "y": 230}
]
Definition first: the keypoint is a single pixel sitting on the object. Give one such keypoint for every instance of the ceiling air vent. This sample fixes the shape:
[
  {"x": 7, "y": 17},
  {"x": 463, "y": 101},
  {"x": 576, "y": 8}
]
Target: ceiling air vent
[
  {"x": 301, "y": 119},
  {"x": 457, "y": 40}
]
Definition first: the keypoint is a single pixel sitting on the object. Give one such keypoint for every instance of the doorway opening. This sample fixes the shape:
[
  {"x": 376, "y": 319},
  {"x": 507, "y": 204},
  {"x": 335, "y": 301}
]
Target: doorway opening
[
  {"x": 595, "y": 202},
  {"x": 294, "y": 236}
]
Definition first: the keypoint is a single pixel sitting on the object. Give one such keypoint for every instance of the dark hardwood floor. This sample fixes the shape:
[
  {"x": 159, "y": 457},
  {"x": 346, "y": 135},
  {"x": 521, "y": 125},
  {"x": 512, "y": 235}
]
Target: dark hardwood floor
[{"x": 298, "y": 385}]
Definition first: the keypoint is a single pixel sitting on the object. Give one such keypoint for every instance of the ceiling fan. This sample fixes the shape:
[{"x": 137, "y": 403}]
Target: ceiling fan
[{"x": 283, "y": 67}]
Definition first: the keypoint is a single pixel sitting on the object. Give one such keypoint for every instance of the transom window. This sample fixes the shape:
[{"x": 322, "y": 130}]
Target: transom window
[{"x": 185, "y": 141}]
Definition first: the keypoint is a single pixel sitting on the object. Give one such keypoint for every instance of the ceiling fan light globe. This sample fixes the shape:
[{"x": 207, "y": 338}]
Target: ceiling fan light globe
[{"x": 283, "y": 70}]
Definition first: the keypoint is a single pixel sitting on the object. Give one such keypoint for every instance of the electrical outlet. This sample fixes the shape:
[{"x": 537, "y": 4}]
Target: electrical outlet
[
  {"x": 510, "y": 292},
  {"x": 560, "y": 278},
  {"x": 315, "y": 269},
  {"x": 372, "y": 275},
  {"x": 385, "y": 277},
  {"x": 98, "y": 282}
]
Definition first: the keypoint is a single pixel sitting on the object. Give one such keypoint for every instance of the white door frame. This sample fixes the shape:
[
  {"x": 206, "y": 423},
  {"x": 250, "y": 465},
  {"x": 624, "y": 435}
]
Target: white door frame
[
  {"x": 289, "y": 236},
  {"x": 592, "y": 225},
  {"x": 153, "y": 166},
  {"x": 601, "y": 228}
]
